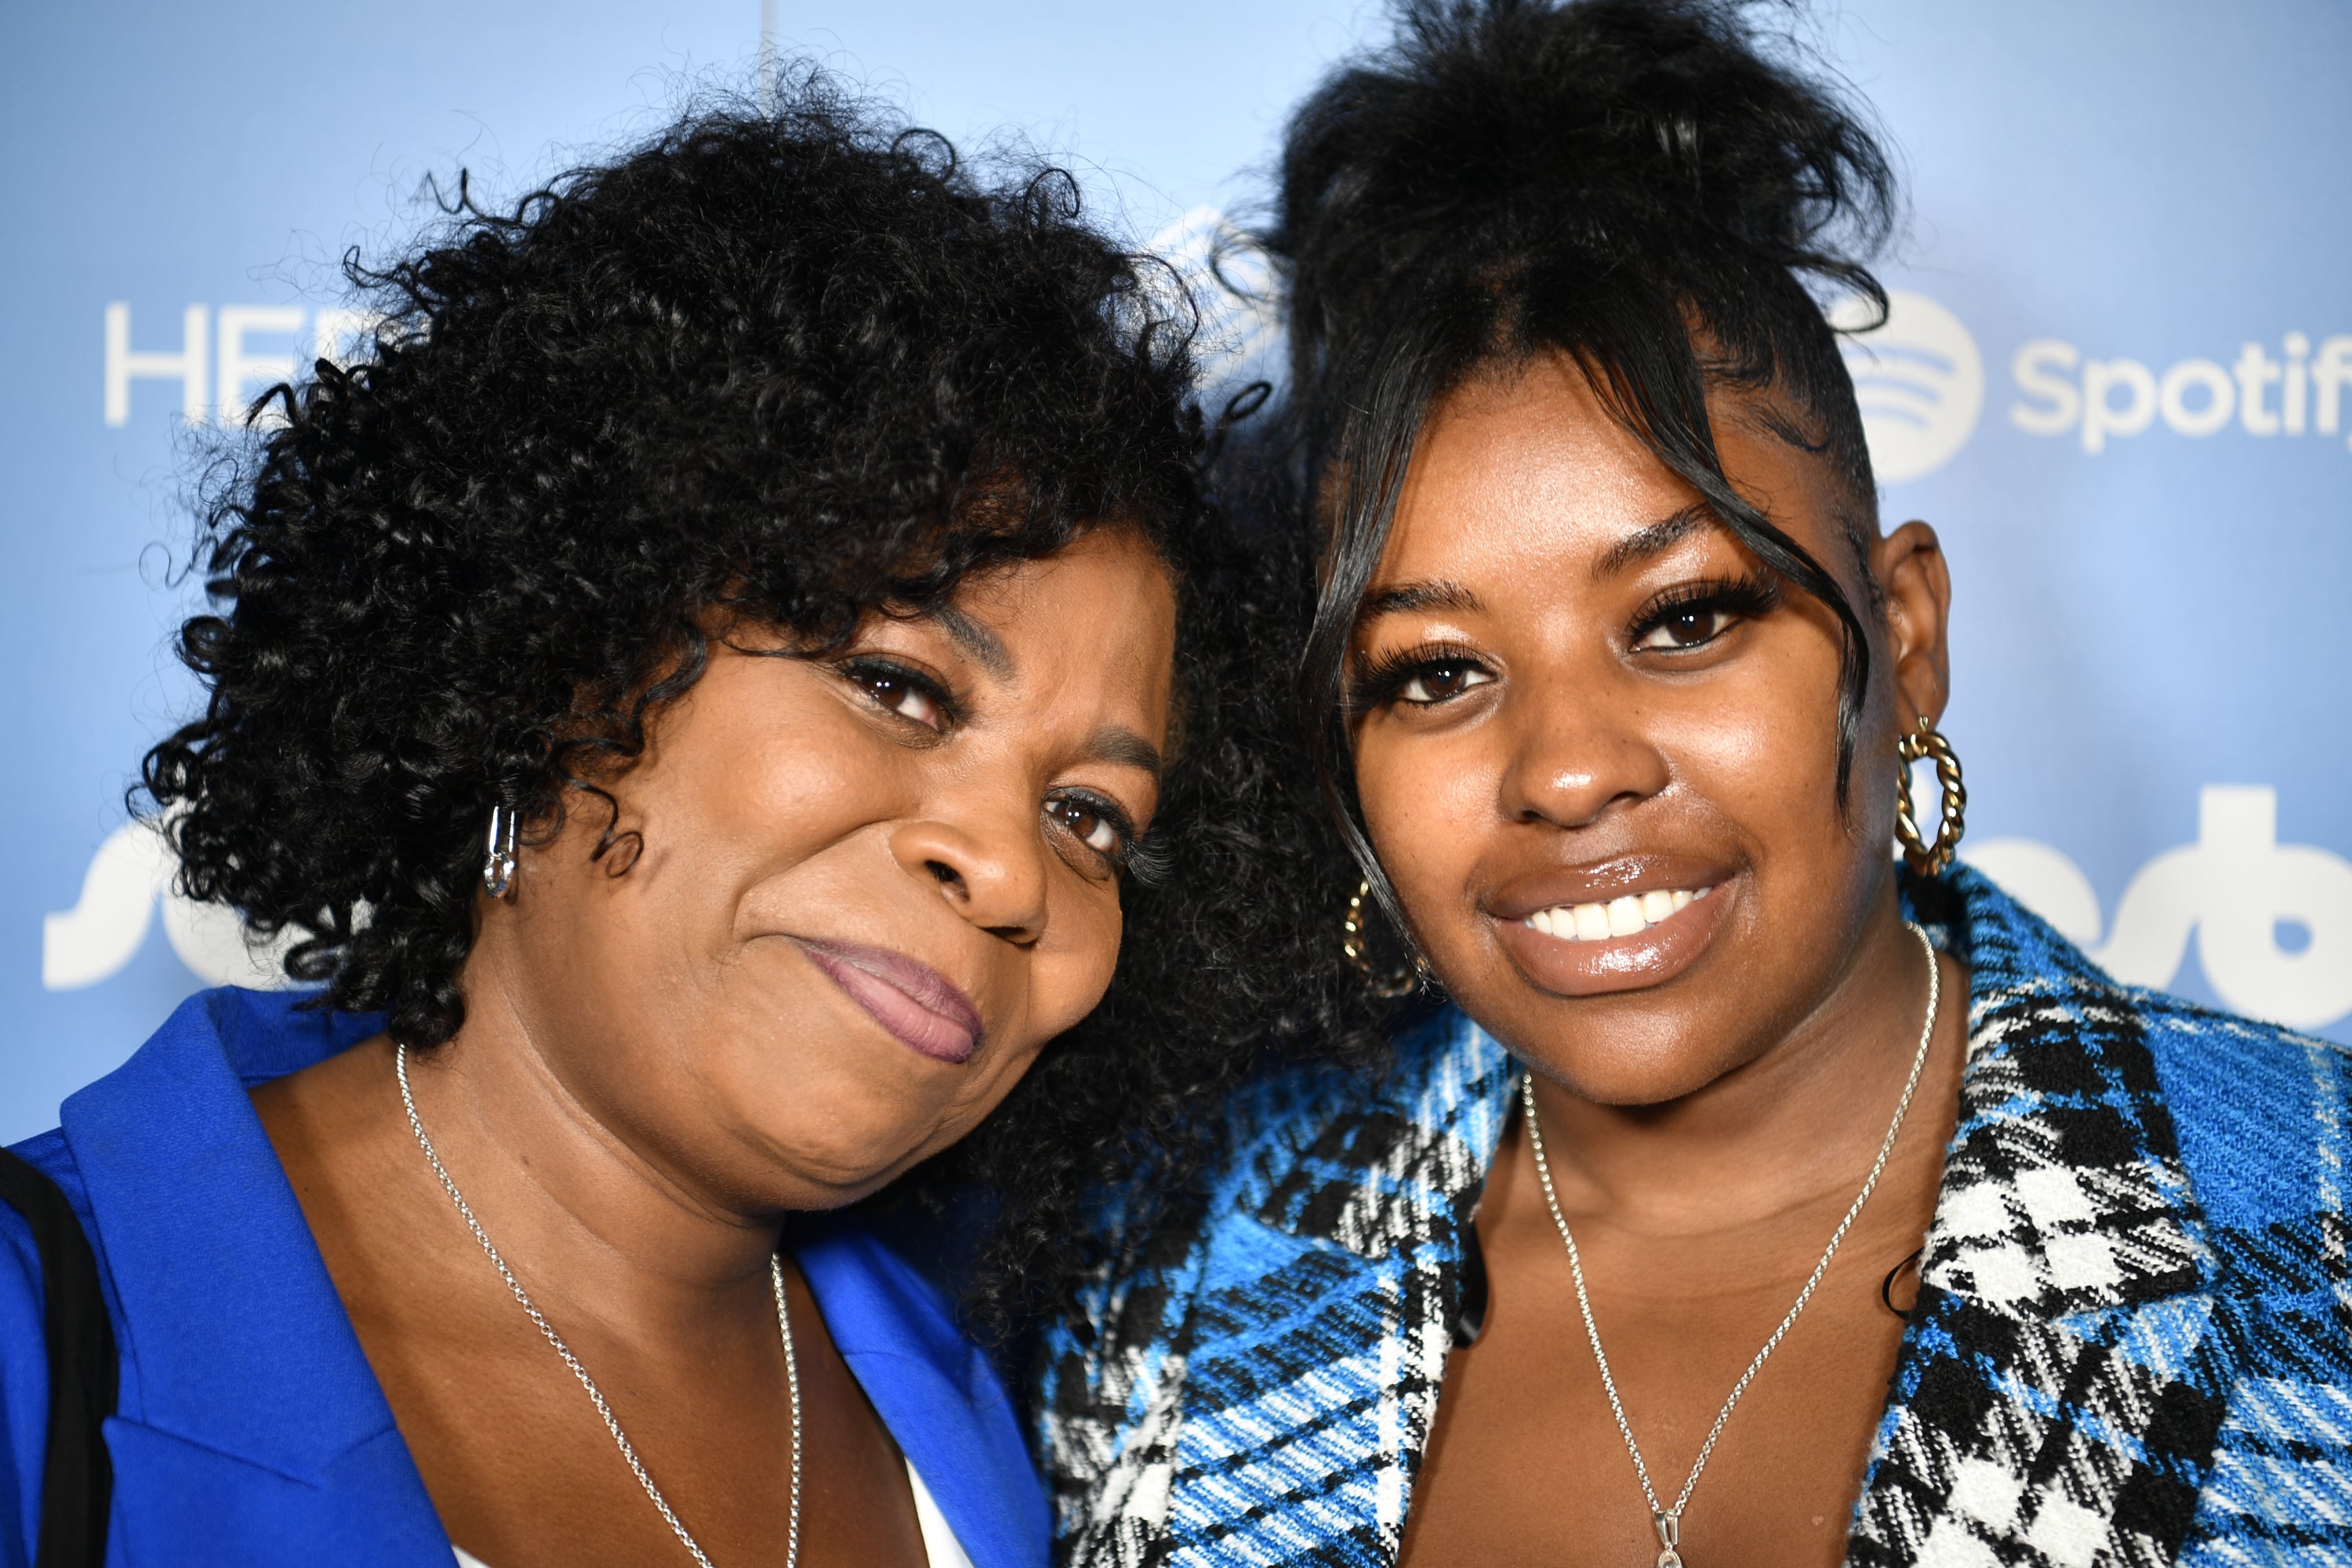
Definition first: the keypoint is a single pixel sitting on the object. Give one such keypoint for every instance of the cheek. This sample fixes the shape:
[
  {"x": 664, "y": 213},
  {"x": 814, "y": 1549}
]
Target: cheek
[
  {"x": 1760, "y": 748},
  {"x": 738, "y": 806},
  {"x": 800, "y": 775},
  {"x": 1427, "y": 801},
  {"x": 1072, "y": 967},
  {"x": 1067, "y": 978},
  {"x": 1757, "y": 751},
  {"x": 759, "y": 796}
]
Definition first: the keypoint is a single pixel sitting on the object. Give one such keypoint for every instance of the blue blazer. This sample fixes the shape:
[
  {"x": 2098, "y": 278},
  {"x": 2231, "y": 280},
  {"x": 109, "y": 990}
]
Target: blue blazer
[{"x": 250, "y": 1430}]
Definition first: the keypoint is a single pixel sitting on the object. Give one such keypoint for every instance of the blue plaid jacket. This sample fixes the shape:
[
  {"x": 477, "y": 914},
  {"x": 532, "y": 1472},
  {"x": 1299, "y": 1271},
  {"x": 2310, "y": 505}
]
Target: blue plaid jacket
[{"x": 2133, "y": 1344}]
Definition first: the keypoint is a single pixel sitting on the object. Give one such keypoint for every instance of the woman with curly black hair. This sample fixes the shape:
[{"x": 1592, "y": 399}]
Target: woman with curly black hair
[
  {"x": 1748, "y": 1200},
  {"x": 702, "y": 696}
]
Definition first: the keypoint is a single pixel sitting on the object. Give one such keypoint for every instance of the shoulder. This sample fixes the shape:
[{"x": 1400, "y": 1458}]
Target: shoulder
[
  {"x": 2261, "y": 1113},
  {"x": 1435, "y": 1098},
  {"x": 1438, "y": 1072},
  {"x": 2260, "y": 1116},
  {"x": 24, "y": 1348},
  {"x": 1367, "y": 1156},
  {"x": 20, "y": 1255},
  {"x": 2258, "y": 1112}
]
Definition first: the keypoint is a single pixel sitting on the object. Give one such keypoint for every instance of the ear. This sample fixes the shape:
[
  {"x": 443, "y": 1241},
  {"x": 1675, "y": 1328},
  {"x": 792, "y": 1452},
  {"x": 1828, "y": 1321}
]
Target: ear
[{"x": 1911, "y": 572}]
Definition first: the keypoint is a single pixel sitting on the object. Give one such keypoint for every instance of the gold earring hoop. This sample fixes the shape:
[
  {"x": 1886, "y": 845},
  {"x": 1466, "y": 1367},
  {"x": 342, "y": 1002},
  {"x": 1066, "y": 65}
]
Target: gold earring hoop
[
  {"x": 1926, "y": 859},
  {"x": 1403, "y": 982}
]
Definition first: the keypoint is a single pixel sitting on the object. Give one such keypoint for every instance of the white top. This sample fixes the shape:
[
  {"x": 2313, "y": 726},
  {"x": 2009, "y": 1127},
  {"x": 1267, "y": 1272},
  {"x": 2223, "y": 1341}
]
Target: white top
[{"x": 940, "y": 1548}]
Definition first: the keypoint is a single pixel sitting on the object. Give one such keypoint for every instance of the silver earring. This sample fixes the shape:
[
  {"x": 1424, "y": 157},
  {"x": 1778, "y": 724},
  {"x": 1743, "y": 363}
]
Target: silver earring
[{"x": 498, "y": 853}]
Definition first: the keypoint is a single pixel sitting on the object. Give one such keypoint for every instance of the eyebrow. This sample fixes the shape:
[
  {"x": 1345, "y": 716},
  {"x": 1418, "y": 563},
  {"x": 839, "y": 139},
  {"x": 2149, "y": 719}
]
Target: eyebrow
[
  {"x": 983, "y": 646},
  {"x": 1113, "y": 743},
  {"x": 1407, "y": 599},
  {"x": 1122, "y": 747},
  {"x": 1646, "y": 543}
]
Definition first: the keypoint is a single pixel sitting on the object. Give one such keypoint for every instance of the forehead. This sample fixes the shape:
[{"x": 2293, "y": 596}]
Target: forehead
[
  {"x": 1101, "y": 610},
  {"x": 1524, "y": 470}
]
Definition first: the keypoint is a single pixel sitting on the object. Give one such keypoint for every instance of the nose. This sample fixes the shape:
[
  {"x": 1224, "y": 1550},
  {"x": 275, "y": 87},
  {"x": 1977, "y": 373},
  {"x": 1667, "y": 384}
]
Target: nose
[
  {"x": 989, "y": 867},
  {"x": 1576, "y": 753}
]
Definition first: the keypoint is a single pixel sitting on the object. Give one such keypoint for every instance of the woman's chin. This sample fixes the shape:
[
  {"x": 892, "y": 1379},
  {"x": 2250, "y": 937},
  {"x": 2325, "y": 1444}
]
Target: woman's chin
[
  {"x": 813, "y": 1129},
  {"x": 821, "y": 1173}
]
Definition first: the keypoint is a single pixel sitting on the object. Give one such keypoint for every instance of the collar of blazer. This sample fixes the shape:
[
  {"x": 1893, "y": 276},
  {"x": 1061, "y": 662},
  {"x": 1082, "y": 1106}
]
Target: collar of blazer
[{"x": 251, "y": 1429}]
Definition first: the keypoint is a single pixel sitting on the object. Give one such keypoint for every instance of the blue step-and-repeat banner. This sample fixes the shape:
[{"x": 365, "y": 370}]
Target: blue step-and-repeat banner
[{"x": 2118, "y": 378}]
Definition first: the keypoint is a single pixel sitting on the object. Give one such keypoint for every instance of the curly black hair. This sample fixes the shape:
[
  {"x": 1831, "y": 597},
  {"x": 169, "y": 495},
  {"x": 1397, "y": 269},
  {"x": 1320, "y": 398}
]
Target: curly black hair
[
  {"x": 1658, "y": 188},
  {"x": 791, "y": 364}
]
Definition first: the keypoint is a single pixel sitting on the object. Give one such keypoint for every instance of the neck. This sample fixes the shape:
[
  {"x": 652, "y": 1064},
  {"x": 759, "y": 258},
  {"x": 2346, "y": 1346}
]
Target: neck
[
  {"x": 582, "y": 1207},
  {"x": 1794, "y": 1126}
]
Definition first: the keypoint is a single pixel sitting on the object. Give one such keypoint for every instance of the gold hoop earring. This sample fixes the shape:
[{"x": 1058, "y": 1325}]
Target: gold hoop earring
[
  {"x": 1403, "y": 982},
  {"x": 1926, "y": 859}
]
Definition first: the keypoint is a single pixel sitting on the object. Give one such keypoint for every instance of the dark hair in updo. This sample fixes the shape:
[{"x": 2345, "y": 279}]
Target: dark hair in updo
[
  {"x": 1643, "y": 184},
  {"x": 790, "y": 366}
]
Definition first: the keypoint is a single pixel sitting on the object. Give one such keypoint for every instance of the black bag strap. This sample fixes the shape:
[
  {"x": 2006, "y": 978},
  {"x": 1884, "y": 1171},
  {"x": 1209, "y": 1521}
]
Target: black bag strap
[{"x": 78, "y": 1482}]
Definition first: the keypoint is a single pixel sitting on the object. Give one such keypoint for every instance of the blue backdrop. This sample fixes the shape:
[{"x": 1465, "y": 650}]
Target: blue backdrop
[{"x": 2118, "y": 379}]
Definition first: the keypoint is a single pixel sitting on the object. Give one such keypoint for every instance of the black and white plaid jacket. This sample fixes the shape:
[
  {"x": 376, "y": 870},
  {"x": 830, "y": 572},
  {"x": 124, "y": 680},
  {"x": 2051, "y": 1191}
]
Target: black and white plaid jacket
[{"x": 2133, "y": 1344}]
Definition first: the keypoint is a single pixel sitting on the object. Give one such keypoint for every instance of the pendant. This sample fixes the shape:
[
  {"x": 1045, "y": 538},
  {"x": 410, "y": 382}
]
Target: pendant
[{"x": 1670, "y": 1536}]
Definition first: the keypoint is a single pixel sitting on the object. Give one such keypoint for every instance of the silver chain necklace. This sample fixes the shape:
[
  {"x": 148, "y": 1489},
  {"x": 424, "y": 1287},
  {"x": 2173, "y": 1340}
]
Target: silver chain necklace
[
  {"x": 1669, "y": 1521},
  {"x": 595, "y": 1395}
]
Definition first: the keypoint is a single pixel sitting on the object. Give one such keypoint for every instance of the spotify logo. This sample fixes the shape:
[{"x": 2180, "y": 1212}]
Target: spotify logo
[{"x": 1919, "y": 380}]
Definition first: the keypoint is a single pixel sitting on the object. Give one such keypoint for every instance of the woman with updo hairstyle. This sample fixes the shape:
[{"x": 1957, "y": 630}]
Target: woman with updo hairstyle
[
  {"x": 699, "y": 701},
  {"x": 1714, "y": 1190}
]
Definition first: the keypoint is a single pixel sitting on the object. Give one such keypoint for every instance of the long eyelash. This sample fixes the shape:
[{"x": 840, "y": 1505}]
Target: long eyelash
[
  {"x": 871, "y": 664},
  {"x": 1745, "y": 596},
  {"x": 1144, "y": 857},
  {"x": 1150, "y": 861},
  {"x": 1379, "y": 678}
]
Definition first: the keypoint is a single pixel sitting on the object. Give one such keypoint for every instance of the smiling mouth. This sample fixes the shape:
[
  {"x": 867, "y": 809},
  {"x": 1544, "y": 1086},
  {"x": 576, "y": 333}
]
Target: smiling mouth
[
  {"x": 917, "y": 1005},
  {"x": 1634, "y": 939},
  {"x": 1630, "y": 915}
]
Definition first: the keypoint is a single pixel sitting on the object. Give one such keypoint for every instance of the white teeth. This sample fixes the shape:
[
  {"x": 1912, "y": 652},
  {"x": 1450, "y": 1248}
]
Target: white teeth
[{"x": 1628, "y": 916}]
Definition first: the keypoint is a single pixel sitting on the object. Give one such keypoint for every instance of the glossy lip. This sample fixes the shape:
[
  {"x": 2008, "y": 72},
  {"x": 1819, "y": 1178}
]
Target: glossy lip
[
  {"x": 922, "y": 1008},
  {"x": 1649, "y": 957}
]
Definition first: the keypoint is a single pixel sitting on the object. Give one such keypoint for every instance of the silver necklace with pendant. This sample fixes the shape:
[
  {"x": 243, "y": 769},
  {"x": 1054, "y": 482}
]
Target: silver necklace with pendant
[
  {"x": 1669, "y": 1521},
  {"x": 595, "y": 1395}
]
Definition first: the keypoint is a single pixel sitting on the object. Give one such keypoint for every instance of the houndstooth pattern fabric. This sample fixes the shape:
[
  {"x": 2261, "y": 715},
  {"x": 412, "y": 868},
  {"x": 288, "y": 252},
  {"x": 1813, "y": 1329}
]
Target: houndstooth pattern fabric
[{"x": 2133, "y": 1344}]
